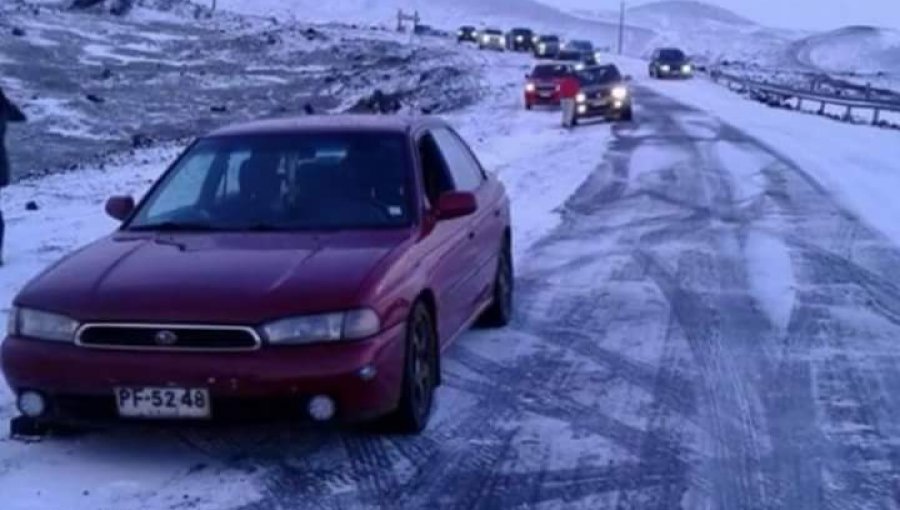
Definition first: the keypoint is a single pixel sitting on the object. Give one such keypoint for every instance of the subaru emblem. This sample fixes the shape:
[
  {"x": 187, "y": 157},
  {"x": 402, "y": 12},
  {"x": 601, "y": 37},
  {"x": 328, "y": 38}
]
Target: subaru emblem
[{"x": 165, "y": 338}]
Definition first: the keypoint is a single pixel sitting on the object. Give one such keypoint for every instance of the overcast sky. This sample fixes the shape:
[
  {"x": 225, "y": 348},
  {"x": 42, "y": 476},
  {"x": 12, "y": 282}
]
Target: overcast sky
[{"x": 806, "y": 14}]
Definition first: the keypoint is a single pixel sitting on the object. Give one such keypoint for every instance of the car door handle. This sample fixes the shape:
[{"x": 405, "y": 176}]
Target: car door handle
[{"x": 472, "y": 234}]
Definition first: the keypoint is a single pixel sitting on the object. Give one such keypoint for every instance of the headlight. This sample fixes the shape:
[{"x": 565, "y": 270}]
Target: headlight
[
  {"x": 542, "y": 47},
  {"x": 581, "y": 97},
  {"x": 687, "y": 69},
  {"x": 519, "y": 38},
  {"x": 326, "y": 327},
  {"x": 665, "y": 68},
  {"x": 486, "y": 38},
  {"x": 41, "y": 325},
  {"x": 529, "y": 87},
  {"x": 580, "y": 67},
  {"x": 598, "y": 56},
  {"x": 619, "y": 93}
]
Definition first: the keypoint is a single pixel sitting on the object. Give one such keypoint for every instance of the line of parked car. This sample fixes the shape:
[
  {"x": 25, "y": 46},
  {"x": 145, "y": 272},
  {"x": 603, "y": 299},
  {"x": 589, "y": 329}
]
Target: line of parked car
[{"x": 570, "y": 74}]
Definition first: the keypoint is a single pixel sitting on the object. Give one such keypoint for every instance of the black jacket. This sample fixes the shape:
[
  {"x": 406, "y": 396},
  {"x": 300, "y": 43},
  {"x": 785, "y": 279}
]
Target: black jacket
[{"x": 8, "y": 113}]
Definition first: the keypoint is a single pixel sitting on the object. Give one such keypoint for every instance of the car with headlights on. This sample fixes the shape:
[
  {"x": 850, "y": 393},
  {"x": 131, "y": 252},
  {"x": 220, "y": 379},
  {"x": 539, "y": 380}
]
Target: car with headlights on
[
  {"x": 548, "y": 82},
  {"x": 602, "y": 93},
  {"x": 582, "y": 50},
  {"x": 306, "y": 268},
  {"x": 467, "y": 33},
  {"x": 492, "y": 39},
  {"x": 547, "y": 46},
  {"x": 520, "y": 39},
  {"x": 670, "y": 63}
]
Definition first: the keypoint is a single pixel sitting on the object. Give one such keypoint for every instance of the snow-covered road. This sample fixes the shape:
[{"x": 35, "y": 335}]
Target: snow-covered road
[{"x": 704, "y": 320}]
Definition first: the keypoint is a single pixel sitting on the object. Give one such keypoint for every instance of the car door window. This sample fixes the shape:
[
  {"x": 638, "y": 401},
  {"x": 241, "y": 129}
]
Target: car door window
[
  {"x": 435, "y": 176},
  {"x": 466, "y": 172}
]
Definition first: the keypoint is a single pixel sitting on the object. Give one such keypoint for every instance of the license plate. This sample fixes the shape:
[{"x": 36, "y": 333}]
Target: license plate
[
  {"x": 545, "y": 94},
  {"x": 163, "y": 402}
]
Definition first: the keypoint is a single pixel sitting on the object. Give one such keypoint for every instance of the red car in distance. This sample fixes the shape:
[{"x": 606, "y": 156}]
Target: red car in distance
[
  {"x": 308, "y": 268},
  {"x": 550, "y": 83}
]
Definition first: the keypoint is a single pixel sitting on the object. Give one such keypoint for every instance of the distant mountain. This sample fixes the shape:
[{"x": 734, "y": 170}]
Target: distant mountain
[
  {"x": 863, "y": 49},
  {"x": 668, "y": 14}
]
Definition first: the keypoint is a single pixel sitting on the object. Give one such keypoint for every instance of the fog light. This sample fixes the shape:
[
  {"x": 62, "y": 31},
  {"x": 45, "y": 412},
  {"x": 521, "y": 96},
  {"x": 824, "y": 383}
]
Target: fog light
[
  {"x": 321, "y": 408},
  {"x": 582, "y": 109},
  {"x": 32, "y": 404},
  {"x": 617, "y": 105},
  {"x": 367, "y": 373}
]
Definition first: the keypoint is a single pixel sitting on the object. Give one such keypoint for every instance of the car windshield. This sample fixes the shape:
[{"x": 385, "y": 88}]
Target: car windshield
[
  {"x": 550, "y": 71},
  {"x": 671, "y": 55},
  {"x": 305, "y": 181},
  {"x": 549, "y": 39},
  {"x": 581, "y": 45},
  {"x": 600, "y": 75},
  {"x": 521, "y": 31},
  {"x": 493, "y": 31}
]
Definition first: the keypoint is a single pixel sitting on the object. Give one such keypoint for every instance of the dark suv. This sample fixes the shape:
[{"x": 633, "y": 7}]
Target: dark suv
[
  {"x": 583, "y": 49},
  {"x": 520, "y": 39},
  {"x": 670, "y": 63},
  {"x": 547, "y": 46},
  {"x": 467, "y": 33}
]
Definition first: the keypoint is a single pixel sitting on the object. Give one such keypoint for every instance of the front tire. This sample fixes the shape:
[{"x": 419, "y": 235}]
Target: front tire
[
  {"x": 499, "y": 313},
  {"x": 419, "y": 373}
]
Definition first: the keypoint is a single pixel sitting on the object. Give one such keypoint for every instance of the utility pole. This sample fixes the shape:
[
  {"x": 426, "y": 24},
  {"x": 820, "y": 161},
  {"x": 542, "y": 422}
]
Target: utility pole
[{"x": 621, "y": 25}]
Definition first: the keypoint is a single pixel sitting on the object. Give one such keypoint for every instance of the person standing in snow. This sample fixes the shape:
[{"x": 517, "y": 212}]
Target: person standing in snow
[{"x": 8, "y": 113}]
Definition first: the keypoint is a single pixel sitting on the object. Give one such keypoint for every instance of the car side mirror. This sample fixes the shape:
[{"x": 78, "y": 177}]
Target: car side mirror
[
  {"x": 455, "y": 204},
  {"x": 120, "y": 207}
]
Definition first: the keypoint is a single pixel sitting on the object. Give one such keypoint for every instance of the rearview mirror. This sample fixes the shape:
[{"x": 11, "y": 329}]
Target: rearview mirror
[
  {"x": 455, "y": 204},
  {"x": 120, "y": 207}
]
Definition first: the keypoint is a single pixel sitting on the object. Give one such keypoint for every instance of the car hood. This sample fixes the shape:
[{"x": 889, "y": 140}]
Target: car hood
[{"x": 220, "y": 278}]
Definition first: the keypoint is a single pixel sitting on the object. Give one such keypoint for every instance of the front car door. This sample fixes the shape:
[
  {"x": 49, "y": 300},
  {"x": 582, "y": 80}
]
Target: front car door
[
  {"x": 441, "y": 249},
  {"x": 486, "y": 230}
]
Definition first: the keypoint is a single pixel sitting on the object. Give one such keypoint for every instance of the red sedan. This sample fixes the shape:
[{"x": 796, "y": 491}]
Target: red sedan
[
  {"x": 548, "y": 84},
  {"x": 309, "y": 268}
]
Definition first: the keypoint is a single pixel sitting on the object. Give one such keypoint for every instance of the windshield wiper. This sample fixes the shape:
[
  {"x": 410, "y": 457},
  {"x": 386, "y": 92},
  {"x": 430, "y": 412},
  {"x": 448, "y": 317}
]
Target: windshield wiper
[{"x": 171, "y": 226}]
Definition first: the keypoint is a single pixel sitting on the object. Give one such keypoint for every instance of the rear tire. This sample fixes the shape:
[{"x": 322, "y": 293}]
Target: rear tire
[
  {"x": 499, "y": 314},
  {"x": 419, "y": 373}
]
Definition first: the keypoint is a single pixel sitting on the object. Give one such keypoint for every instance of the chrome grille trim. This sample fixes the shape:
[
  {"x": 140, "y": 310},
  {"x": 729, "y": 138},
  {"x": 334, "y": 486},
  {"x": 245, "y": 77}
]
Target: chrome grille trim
[{"x": 257, "y": 340}]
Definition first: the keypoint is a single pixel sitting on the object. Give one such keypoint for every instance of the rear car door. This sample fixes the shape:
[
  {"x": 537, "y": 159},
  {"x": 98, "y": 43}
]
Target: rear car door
[{"x": 486, "y": 225}]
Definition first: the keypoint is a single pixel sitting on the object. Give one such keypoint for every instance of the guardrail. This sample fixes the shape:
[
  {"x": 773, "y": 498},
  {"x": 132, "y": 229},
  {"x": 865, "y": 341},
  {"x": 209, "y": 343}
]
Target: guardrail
[{"x": 780, "y": 94}]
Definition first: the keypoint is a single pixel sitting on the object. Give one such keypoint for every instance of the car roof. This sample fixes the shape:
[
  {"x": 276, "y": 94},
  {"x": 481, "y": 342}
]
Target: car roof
[{"x": 307, "y": 123}]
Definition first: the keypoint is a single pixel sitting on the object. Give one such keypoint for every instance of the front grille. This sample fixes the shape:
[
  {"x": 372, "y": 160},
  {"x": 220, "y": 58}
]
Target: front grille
[{"x": 174, "y": 337}]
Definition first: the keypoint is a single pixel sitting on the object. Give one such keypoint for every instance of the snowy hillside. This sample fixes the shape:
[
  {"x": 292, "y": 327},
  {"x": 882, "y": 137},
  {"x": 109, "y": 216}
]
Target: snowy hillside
[
  {"x": 861, "y": 48},
  {"x": 680, "y": 14},
  {"x": 447, "y": 14}
]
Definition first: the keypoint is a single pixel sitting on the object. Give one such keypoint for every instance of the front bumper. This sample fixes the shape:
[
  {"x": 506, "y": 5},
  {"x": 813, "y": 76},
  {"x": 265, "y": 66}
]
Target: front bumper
[
  {"x": 608, "y": 108},
  {"x": 271, "y": 382},
  {"x": 542, "y": 99},
  {"x": 675, "y": 73}
]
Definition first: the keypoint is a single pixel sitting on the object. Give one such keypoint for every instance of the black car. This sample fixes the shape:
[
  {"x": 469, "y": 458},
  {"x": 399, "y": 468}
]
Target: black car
[
  {"x": 602, "y": 93},
  {"x": 583, "y": 48},
  {"x": 467, "y": 33},
  {"x": 520, "y": 39},
  {"x": 578, "y": 58},
  {"x": 547, "y": 46},
  {"x": 670, "y": 63}
]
